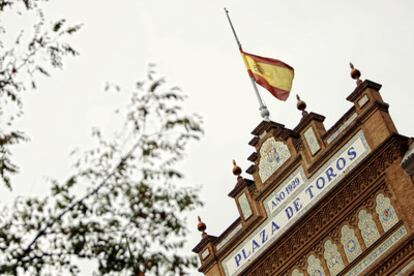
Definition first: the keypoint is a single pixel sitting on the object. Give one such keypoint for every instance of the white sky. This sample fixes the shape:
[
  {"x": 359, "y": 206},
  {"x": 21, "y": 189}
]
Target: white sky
[{"x": 192, "y": 45}]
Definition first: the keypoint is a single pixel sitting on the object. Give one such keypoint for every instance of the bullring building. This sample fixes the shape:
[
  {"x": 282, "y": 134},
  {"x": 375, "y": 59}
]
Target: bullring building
[{"x": 322, "y": 202}]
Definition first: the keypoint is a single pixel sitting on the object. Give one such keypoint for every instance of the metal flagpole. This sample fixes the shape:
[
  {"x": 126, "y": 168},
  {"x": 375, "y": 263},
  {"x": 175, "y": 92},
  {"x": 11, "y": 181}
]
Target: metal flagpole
[{"x": 264, "y": 112}]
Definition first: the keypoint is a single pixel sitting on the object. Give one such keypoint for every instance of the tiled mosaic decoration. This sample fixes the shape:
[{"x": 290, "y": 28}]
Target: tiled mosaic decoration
[
  {"x": 333, "y": 258},
  {"x": 315, "y": 267},
  {"x": 350, "y": 243},
  {"x": 386, "y": 212},
  {"x": 368, "y": 228},
  {"x": 272, "y": 155}
]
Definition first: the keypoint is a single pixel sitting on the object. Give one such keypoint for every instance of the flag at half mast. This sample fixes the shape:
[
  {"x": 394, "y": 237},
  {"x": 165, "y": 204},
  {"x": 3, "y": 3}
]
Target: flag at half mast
[{"x": 274, "y": 75}]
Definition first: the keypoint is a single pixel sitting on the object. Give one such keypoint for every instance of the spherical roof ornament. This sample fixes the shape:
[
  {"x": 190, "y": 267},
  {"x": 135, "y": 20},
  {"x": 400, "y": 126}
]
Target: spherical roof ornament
[
  {"x": 201, "y": 226},
  {"x": 236, "y": 170},
  {"x": 355, "y": 74},
  {"x": 301, "y": 105}
]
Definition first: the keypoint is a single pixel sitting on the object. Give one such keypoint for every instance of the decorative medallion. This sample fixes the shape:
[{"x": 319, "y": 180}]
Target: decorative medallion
[
  {"x": 350, "y": 243},
  {"x": 386, "y": 212},
  {"x": 368, "y": 228},
  {"x": 350, "y": 246},
  {"x": 272, "y": 155}
]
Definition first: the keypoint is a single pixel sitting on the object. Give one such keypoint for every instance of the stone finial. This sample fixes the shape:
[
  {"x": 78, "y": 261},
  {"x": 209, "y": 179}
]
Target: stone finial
[
  {"x": 301, "y": 105},
  {"x": 236, "y": 170},
  {"x": 201, "y": 226},
  {"x": 355, "y": 74}
]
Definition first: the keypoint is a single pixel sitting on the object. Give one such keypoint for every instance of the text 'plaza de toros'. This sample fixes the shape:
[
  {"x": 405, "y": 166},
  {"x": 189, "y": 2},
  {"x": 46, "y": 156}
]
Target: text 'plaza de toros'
[{"x": 322, "y": 202}]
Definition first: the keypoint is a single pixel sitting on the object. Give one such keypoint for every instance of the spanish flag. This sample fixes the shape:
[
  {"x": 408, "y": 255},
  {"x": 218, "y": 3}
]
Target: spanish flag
[{"x": 274, "y": 75}]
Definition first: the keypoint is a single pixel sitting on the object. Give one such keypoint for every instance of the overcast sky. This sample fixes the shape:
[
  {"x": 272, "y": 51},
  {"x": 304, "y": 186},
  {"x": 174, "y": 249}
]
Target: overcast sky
[{"x": 192, "y": 45}]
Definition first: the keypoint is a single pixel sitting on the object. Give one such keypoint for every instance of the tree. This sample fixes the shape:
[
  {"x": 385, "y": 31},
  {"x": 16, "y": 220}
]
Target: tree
[
  {"x": 23, "y": 56},
  {"x": 122, "y": 207},
  {"x": 131, "y": 215}
]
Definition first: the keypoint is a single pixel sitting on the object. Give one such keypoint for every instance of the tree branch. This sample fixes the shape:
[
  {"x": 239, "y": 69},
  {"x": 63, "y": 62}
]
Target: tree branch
[{"x": 53, "y": 220}]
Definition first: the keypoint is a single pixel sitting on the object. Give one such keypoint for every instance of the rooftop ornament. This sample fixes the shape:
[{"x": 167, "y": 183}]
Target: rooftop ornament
[
  {"x": 301, "y": 105},
  {"x": 201, "y": 226},
  {"x": 236, "y": 170},
  {"x": 355, "y": 74}
]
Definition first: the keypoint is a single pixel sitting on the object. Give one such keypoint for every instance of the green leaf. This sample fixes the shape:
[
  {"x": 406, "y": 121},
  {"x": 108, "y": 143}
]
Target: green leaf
[{"x": 58, "y": 25}]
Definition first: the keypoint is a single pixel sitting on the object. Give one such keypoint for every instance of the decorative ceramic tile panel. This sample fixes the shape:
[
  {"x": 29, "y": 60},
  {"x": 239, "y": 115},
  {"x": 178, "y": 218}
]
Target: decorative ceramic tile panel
[
  {"x": 364, "y": 99},
  {"x": 245, "y": 206},
  {"x": 387, "y": 215},
  {"x": 205, "y": 254},
  {"x": 368, "y": 228},
  {"x": 350, "y": 243},
  {"x": 296, "y": 272},
  {"x": 272, "y": 155},
  {"x": 378, "y": 252},
  {"x": 333, "y": 258},
  {"x": 312, "y": 141},
  {"x": 315, "y": 267}
]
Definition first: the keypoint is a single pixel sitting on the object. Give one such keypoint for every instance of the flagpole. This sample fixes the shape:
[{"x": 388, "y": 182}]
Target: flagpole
[{"x": 264, "y": 112}]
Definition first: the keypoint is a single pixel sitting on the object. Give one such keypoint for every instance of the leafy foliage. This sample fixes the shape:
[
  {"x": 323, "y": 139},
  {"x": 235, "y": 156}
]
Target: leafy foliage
[
  {"x": 23, "y": 56},
  {"x": 131, "y": 215}
]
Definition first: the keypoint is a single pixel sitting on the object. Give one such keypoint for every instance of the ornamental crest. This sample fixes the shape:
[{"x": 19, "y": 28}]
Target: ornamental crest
[{"x": 272, "y": 155}]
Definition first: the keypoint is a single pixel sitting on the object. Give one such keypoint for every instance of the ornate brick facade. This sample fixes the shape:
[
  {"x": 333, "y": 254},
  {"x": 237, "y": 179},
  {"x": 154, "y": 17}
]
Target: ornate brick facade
[{"x": 333, "y": 202}]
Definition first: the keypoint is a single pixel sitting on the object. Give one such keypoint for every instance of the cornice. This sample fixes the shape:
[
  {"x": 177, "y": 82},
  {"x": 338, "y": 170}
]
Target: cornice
[
  {"x": 252, "y": 157},
  {"x": 228, "y": 230},
  {"x": 241, "y": 235},
  {"x": 304, "y": 122},
  {"x": 204, "y": 241},
  {"x": 251, "y": 169},
  {"x": 362, "y": 87},
  {"x": 240, "y": 185},
  {"x": 265, "y": 126},
  {"x": 253, "y": 142},
  {"x": 338, "y": 123}
]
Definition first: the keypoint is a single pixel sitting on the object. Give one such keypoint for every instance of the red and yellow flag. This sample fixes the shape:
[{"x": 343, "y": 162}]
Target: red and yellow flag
[{"x": 274, "y": 75}]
